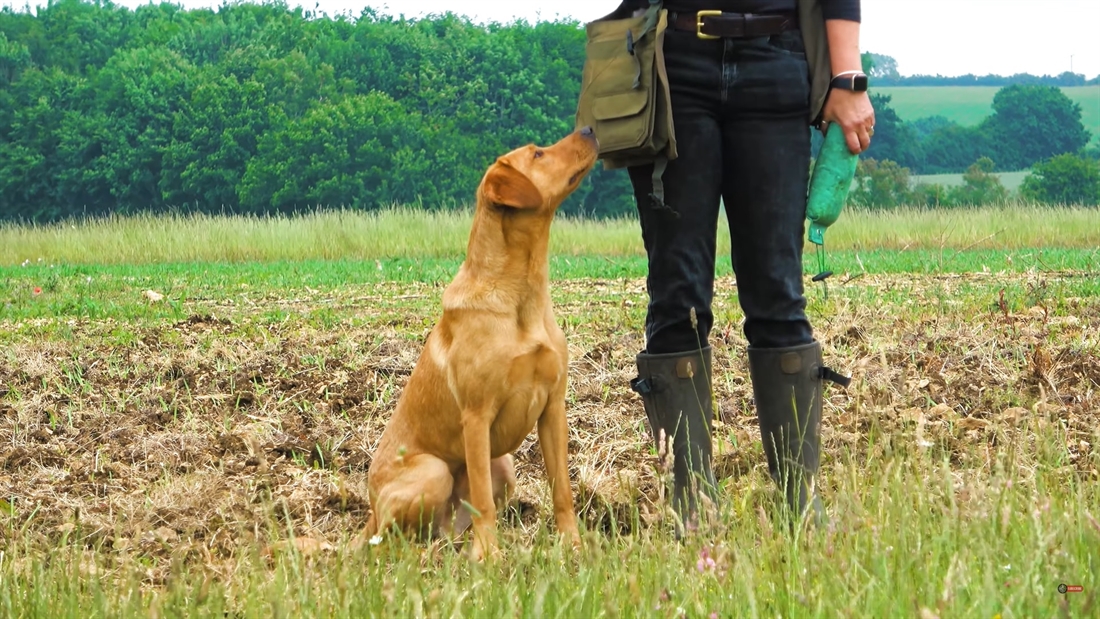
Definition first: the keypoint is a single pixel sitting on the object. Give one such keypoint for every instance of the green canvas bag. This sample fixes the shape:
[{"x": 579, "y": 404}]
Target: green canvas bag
[{"x": 624, "y": 90}]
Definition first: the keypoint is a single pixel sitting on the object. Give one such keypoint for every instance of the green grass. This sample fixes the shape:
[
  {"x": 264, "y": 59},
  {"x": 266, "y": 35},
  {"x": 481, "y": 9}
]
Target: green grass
[
  {"x": 902, "y": 551},
  {"x": 118, "y": 291},
  {"x": 157, "y": 457},
  {"x": 104, "y": 268},
  {"x": 969, "y": 105}
]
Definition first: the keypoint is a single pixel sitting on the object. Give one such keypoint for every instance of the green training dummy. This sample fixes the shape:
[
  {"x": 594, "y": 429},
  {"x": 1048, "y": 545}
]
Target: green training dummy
[{"x": 829, "y": 185}]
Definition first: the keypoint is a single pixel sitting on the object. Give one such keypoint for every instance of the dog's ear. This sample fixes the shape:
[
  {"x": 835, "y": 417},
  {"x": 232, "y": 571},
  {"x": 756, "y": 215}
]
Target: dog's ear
[{"x": 508, "y": 186}]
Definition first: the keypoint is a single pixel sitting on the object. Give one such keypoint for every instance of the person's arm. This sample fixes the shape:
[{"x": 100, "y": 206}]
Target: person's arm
[{"x": 851, "y": 110}]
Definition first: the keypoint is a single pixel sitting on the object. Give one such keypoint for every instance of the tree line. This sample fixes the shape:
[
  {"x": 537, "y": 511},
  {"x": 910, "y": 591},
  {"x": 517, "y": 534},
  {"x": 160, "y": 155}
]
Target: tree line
[
  {"x": 260, "y": 108},
  {"x": 1029, "y": 124},
  {"x": 1066, "y": 179}
]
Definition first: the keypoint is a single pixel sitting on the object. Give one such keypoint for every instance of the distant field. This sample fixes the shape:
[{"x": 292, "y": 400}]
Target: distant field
[
  {"x": 1011, "y": 180},
  {"x": 968, "y": 105}
]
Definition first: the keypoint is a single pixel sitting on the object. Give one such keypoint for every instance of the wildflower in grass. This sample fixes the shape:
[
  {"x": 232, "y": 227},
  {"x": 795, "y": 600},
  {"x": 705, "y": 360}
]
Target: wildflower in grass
[
  {"x": 37, "y": 290},
  {"x": 706, "y": 563}
]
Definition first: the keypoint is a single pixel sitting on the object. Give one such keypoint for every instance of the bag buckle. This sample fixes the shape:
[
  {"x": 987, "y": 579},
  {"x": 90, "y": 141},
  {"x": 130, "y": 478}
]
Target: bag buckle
[{"x": 699, "y": 15}]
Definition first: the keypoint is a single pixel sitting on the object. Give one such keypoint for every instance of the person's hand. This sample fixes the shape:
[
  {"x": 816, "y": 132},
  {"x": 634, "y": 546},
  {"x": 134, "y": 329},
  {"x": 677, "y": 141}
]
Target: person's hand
[{"x": 855, "y": 115}]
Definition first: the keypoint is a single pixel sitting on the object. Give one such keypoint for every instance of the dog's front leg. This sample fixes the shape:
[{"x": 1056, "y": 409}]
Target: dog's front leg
[
  {"x": 475, "y": 434},
  {"x": 554, "y": 441}
]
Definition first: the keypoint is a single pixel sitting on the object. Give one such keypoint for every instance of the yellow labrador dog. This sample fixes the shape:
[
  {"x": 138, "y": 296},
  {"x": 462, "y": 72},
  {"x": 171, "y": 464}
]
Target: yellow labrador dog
[{"x": 492, "y": 369}]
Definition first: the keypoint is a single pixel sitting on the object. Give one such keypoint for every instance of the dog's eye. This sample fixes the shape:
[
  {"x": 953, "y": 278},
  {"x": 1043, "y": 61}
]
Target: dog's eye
[{"x": 538, "y": 153}]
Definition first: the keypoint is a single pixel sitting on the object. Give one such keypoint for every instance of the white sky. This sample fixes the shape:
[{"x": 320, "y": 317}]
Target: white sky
[{"x": 948, "y": 37}]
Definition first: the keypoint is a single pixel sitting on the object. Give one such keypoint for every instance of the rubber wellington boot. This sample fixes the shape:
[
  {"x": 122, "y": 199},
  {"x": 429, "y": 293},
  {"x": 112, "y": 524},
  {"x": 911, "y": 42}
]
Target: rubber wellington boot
[
  {"x": 676, "y": 391},
  {"x": 788, "y": 385}
]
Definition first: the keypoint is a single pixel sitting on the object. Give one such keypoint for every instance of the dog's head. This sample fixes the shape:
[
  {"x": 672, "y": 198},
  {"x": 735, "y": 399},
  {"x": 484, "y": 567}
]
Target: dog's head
[{"x": 540, "y": 178}]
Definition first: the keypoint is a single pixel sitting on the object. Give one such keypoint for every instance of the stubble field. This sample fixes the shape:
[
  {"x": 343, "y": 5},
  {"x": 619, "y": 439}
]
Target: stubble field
[{"x": 185, "y": 428}]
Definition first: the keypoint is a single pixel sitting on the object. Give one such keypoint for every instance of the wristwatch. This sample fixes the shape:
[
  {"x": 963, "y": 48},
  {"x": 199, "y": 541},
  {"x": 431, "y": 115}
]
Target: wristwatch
[{"x": 854, "y": 81}]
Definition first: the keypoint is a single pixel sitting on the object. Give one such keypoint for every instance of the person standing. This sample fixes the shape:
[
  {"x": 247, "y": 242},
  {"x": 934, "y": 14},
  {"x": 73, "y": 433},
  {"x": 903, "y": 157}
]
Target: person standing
[{"x": 747, "y": 79}]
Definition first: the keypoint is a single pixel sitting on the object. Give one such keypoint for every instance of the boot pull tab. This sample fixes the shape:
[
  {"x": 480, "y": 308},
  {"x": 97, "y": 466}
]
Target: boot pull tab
[{"x": 825, "y": 373}]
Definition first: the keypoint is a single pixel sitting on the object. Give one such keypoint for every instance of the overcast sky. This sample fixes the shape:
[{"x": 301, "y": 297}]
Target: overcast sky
[{"x": 948, "y": 37}]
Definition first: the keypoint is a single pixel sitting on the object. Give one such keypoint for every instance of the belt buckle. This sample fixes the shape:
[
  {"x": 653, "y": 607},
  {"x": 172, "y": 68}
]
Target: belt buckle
[{"x": 699, "y": 15}]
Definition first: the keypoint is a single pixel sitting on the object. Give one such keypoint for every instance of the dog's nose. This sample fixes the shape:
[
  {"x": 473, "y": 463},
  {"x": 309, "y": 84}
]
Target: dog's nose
[{"x": 587, "y": 131}]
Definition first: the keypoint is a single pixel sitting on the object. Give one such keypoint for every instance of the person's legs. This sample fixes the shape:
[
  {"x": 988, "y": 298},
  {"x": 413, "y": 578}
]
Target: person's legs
[
  {"x": 680, "y": 239},
  {"x": 767, "y": 154},
  {"x": 674, "y": 371},
  {"x": 766, "y": 141}
]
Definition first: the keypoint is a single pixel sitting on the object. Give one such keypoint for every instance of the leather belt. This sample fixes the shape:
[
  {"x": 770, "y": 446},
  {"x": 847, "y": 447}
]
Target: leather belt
[{"x": 722, "y": 25}]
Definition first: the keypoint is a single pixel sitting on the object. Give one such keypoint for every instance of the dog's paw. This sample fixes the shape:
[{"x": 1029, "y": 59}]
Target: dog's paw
[
  {"x": 485, "y": 548},
  {"x": 573, "y": 539}
]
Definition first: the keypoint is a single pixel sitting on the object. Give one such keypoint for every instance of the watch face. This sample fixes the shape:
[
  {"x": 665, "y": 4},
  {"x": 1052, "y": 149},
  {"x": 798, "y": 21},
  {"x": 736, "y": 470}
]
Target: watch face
[{"x": 859, "y": 83}]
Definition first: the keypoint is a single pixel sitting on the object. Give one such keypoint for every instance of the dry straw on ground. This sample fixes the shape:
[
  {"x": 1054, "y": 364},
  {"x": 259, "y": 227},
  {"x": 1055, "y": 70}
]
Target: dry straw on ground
[{"x": 190, "y": 439}]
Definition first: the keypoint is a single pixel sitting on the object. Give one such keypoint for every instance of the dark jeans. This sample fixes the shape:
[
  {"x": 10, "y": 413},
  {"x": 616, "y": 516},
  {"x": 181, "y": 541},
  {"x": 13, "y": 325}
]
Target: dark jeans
[{"x": 740, "y": 109}]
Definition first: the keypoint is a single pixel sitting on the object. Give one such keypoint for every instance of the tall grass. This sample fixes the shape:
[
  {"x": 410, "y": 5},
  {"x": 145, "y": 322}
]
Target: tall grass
[
  {"x": 1005, "y": 227},
  {"x": 909, "y": 539},
  {"x": 399, "y": 232}
]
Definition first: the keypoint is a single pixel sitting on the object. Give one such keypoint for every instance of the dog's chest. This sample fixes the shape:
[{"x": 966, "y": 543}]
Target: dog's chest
[{"x": 534, "y": 378}]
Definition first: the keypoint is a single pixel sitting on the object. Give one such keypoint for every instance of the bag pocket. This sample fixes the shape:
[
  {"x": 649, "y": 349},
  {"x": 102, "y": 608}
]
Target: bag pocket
[
  {"x": 623, "y": 120},
  {"x": 619, "y": 86}
]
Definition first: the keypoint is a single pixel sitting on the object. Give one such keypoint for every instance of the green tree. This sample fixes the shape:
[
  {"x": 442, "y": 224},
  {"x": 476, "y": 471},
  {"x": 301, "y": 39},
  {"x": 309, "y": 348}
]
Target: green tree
[
  {"x": 117, "y": 147},
  {"x": 1032, "y": 123},
  {"x": 297, "y": 84},
  {"x": 980, "y": 186},
  {"x": 214, "y": 137},
  {"x": 1064, "y": 179},
  {"x": 881, "y": 184},
  {"x": 340, "y": 153},
  {"x": 264, "y": 108},
  {"x": 882, "y": 66},
  {"x": 952, "y": 147},
  {"x": 867, "y": 60},
  {"x": 930, "y": 195},
  {"x": 14, "y": 59},
  {"x": 924, "y": 127},
  {"x": 894, "y": 139},
  {"x": 31, "y": 159},
  {"x": 604, "y": 193},
  {"x": 80, "y": 37}
]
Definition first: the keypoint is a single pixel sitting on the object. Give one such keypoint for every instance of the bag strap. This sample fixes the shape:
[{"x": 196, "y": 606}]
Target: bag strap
[
  {"x": 657, "y": 195},
  {"x": 652, "y": 17}
]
